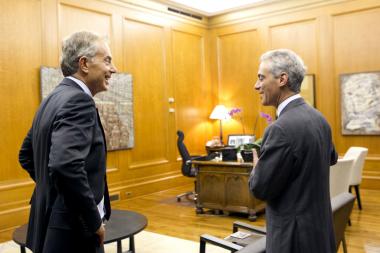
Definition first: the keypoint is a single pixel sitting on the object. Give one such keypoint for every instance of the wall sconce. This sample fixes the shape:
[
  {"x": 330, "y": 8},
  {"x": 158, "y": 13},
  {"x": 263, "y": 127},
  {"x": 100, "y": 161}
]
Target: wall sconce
[{"x": 220, "y": 112}]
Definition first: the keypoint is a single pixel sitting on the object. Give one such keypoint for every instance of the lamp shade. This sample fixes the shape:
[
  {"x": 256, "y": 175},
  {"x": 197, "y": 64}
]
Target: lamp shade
[{"x": 220, "y": 112}]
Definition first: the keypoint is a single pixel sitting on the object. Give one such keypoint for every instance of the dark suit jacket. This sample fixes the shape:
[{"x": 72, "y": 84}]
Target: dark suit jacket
[
  {"x": 292, "y": 175},
  {"x": 65, "y": 154}
]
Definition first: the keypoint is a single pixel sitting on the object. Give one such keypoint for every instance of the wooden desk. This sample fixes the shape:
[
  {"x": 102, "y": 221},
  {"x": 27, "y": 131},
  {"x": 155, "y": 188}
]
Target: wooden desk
[{"x": 224, "y": 186}]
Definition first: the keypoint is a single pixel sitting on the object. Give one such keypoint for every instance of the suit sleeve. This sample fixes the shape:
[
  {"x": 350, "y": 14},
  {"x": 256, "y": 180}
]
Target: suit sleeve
[
  {"x": 25, "y": 156},
  {"x": 334, "y": 155},
  {"x": 71, "y": 140},
  {"x": 274, "y": 168}
]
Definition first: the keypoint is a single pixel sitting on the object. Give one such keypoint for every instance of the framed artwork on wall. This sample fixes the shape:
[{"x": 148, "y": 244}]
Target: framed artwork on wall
[
  {"x": 115, "y": 106},
  {"x": 308, "y": 89},
  {"x": 360, "y": 103}
]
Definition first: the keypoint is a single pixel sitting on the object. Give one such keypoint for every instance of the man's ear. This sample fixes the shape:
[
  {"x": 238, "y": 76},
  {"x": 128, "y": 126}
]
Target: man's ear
[
  {"x": 283, "y": 79},
  {"x": 83, "y": 64}
]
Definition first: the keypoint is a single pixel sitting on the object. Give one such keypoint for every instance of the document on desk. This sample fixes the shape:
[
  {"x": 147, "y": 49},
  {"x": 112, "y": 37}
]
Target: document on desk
[{"x": 240, "y": 235}]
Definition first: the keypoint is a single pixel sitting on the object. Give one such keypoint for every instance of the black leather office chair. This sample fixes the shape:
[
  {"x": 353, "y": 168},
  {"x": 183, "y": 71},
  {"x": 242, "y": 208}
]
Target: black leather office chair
[
  {"x": 341, "y": 207},
  {"x": 187, "y": 168}
]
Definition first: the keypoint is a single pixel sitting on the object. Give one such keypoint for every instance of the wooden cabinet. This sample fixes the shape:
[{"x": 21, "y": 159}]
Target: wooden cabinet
[{"x": 224, "y": 186}]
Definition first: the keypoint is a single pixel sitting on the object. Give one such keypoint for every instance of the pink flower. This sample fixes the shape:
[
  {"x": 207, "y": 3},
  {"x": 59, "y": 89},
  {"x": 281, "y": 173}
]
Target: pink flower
[
  {"x": 267, "y": 117},
  {"x": 234, "y": 111}
]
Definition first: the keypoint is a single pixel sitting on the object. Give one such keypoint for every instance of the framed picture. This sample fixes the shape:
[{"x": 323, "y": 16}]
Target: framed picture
[
  {"x": 360, "y": 103},
  {"x": 239, "y": 139},
  {"x": 115, "y": 106},
  {"x": 308, "y": 89}
]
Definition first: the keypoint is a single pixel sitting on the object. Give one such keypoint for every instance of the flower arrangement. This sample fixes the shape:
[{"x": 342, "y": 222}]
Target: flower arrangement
[
  {"x": 234, "y": 111},
  {"x": 267, "y": 117}
]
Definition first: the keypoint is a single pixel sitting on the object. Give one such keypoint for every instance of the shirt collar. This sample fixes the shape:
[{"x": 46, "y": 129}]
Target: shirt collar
[
  {"x": 285, "y": 103},
  {"x": 81, "y": 84}
]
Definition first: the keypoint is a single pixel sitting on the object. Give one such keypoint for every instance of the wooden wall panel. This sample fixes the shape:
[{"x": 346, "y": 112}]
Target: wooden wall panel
[
  {"x": 298, "y": 36},
  {"x": 20, "y": 56},
  {"x": 144, "y": 49},
  {"x": 193, "y": 99},
  {"x": 73, "y": 19},
  {"x": 237, "y": 54}
]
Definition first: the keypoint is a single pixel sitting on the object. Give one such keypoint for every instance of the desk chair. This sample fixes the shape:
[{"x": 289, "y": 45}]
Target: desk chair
[
  {"x": 341, "y": 207},
  {"x": 187, "y": 168},
  {"x": 358, "y": 154}
]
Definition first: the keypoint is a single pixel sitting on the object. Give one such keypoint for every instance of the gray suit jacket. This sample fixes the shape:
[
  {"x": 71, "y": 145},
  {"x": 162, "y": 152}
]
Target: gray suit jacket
[
  {"x": 292, "y": 176},
  {"x": 65, "y": 154}
]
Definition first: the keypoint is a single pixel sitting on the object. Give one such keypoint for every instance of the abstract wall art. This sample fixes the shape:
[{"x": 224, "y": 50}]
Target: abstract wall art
[
  {"x": 360, "y": 103},
  {"x": 115, "y": 106}
]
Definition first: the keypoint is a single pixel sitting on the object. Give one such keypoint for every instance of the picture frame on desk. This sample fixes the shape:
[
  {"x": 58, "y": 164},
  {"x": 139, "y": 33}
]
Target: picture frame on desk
[{"x": 239, "y": 139}]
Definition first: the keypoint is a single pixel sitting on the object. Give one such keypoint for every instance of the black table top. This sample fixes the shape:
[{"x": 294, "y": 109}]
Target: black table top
[
  {"x": 121, "y": 225},
  {"x": 124, "y": 224}
]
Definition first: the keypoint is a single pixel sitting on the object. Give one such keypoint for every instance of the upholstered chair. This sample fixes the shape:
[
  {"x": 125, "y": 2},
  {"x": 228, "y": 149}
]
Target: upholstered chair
[
  {"x": 340, "y": 175},
  {"x": 358, "y": 154}
]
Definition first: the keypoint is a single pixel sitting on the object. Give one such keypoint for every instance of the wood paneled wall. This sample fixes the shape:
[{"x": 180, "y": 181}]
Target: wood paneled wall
[
  {"x": 167, "y": 56},
  {"x": 181, "y": 64},
  {"x": 332, "y": 37}
]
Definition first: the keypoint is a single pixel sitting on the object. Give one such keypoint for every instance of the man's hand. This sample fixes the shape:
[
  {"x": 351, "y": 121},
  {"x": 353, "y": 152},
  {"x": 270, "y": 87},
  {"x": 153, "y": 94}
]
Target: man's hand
[{"x": 101, "y": 232}]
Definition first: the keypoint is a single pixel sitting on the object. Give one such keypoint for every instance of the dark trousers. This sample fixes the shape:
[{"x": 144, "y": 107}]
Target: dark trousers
[{"x": 69, "y": 241}]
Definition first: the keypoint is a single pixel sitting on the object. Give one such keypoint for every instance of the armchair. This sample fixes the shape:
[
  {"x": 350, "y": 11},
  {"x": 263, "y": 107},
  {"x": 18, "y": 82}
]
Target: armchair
[
  {"x": 358, "y": 154},
  {"x": 187, "y": 168},
  {"x": 340, "y": 174},
  {"x": 341, "y": 207}
]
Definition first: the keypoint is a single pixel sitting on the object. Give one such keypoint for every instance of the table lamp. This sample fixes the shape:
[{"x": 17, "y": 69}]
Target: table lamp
[{"x": 220, "y": 112}]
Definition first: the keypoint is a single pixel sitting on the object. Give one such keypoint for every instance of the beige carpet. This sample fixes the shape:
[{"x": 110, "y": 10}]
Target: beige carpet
[{"x": 145, "y": 242}]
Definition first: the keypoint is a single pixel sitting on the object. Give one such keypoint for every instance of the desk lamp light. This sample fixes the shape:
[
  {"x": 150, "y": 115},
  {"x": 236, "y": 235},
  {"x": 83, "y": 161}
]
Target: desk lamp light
[{"x": 220, "y": 112}]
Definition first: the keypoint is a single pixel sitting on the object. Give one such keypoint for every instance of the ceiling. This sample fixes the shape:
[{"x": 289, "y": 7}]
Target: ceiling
[{"x": 210, "y": 8}]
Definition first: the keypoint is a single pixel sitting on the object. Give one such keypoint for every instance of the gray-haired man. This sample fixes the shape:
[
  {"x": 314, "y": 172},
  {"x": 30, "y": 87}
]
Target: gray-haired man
[{"x": 292, "y": 174}]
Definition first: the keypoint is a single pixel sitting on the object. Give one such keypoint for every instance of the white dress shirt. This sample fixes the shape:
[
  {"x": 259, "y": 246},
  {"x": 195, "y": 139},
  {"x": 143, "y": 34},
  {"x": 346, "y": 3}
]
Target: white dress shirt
[{"x": 285, "y": 103}]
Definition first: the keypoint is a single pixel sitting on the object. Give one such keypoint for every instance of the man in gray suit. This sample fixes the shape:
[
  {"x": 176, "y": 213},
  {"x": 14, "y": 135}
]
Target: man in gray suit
[
  {"x": 65, "y": 154},
  {"x": 292, "y": 173}
]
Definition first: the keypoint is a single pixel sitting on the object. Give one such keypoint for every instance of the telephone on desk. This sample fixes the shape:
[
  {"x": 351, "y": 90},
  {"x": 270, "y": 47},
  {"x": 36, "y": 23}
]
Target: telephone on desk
[{"x": 228, "y": 152}]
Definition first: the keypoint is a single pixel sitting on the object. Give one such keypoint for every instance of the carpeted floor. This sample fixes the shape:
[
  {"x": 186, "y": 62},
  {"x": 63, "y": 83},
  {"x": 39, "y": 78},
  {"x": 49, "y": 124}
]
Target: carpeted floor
[{"x": 145, "y": 242}]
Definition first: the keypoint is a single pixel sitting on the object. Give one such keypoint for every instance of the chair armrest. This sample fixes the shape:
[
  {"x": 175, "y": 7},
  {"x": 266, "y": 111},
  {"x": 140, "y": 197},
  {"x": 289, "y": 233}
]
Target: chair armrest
[
  {"x": 258, "y": 246},
  {"x": 237, "y": 224},
  {"x": 205, "y": 238}
]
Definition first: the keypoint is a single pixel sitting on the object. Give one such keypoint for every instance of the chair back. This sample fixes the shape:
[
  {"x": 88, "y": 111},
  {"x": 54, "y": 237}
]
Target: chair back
[
  {"x": 358, "y": 154},
  {"x": 340, "y": 174},
  {"x": 341, "y": 207},
  {"x": 186, "y": 165}
]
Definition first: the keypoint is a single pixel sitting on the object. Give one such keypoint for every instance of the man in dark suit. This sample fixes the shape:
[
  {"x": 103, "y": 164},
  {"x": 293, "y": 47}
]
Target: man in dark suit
[
  {"x": 65, "y": 154},
  {"x": 292, "y": 173}
]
